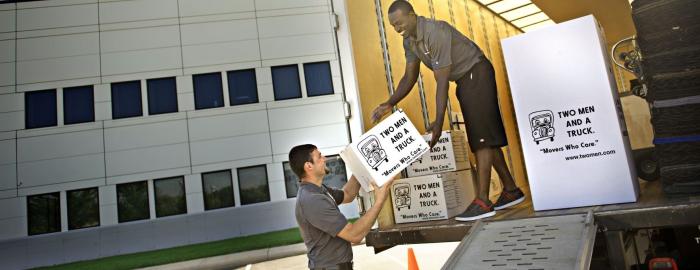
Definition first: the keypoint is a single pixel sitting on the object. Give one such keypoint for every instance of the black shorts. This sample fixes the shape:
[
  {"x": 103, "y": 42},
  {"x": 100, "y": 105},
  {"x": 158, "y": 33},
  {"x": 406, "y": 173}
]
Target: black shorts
[{"x": 478, "y": 99}]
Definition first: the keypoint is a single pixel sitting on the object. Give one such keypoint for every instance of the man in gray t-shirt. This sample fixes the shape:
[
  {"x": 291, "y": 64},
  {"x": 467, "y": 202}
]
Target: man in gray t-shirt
[{"x": 326, "y": 232}]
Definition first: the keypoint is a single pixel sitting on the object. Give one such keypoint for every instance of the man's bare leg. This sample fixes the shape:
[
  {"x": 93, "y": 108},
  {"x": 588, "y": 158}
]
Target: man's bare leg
[
  {"x": 484, "y": 162},
  {"x": 499, "y": 163}
]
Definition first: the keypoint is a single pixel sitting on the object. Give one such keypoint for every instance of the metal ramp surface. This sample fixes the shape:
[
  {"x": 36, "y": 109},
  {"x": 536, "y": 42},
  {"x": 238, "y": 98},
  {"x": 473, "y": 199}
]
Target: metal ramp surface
[{"x": 557, "y": 242}]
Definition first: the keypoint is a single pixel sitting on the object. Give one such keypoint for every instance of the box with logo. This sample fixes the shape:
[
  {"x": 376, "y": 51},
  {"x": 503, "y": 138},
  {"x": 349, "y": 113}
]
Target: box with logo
[
  {"x": 383, "y": 151},
  {"x": 448, "y": 155},
  {"x": 432, "y": 197}
]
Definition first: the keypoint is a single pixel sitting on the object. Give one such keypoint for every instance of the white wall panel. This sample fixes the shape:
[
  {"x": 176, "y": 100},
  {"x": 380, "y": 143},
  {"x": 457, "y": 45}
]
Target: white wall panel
[
  {"x": 221, "y": 53},
  {"x": 7, "y": 152},
  {"x": 233, "y": 148},
  {"x": 138, "y": 39},
  {"x": 145, "y": 135},
  {"x": 294, "y": 25},
  {"x": 211, "y": 32},
  {"x": 306, "y": 116},
  {"x": 292, "y": 46},
  {"x": 207, "y": 7},
  {"x": 141, "y": 61},
  {"x": 7, "y": 21},
  {"x": 276, "y": 4},
  {"x": 55, "y": 171},
  {"x": 55, "y": 17},
  {"x": 7, "y": 73},
  {"x": 321, "y": 136},
  {"x": 137, "y": 10},
  {"x": 11, "y": 121},
  {"x": 13, "y": 227},
  {"x": 57, "y": 46},
  {"x": 11, "y": 102},
  {"x": 58, "y": 69},
  {"x": 7, "y": 50},
  {"x": 227, "y": 125},
  {"x": 147, "y": 159},
  {"x": 8, "y": 176},
  {"x": 13, "y": 207},
  {"x": 60, "y": 145}
]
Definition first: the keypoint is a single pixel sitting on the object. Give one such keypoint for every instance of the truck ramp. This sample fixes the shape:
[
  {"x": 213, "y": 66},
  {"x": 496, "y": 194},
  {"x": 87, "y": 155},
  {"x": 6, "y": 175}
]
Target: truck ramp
[{"x": 553, "y": 242}]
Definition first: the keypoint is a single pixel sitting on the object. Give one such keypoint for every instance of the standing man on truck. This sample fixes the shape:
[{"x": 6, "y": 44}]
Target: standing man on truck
[
  {"x": 326, "y": 232},
  {"x": 453, "y": 57}
]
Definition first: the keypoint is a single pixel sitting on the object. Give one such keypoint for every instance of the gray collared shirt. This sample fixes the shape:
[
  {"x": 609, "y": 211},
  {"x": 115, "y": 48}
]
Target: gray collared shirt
[
  {"x": 320, "y": 221},
  {"x": 438, "y": 45}
]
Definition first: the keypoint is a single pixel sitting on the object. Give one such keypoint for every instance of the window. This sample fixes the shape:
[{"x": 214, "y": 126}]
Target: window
[
  {"x": 83, "y": 208},
  {"x": 162, "y": 96},
  {"x": 126, "y": 100},
  {"x": 208, "y": 91},
  {"x": 253, "y": 184},
  {"x": 337, "y": 175},
  {"x": 170, "y": 196},
  {"x": 318, "y": 79},
  {"x": 78, "y": 105},
  {"x": 218, "y": 191},
  {"x": 44, "y": 213},
  {"x": 132, "y": 201},
  {"x": 285, "y": 82},
  {"x": 242, "y": 87},
  {"x": 40, "y": 109}
]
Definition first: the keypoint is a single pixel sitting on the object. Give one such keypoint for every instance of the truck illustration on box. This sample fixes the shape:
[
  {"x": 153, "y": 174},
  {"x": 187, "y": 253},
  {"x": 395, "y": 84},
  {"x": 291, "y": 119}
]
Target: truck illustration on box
[
  {"x": 542, "y": 125},
  {"x": 402, "y": 196},
  {"x": 372, "y": 151}
]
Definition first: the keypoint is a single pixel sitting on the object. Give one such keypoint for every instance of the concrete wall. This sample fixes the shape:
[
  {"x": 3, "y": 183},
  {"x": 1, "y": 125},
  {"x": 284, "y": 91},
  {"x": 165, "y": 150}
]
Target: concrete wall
[{"x": 64, "y": 43}]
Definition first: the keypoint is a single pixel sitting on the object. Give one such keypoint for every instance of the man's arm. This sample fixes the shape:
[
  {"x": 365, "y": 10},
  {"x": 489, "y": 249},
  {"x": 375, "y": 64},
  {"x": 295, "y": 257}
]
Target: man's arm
[
  {"x": 442, "y": 89},
  {"x": 354, "y": 232},
  {"x": 410, "y": 76},
  {"x": 350, "y": 189}
]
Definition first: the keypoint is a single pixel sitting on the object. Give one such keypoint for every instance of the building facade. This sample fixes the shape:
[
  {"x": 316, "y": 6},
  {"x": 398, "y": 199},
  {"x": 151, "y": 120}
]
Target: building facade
[{"x": 134, "y": 125}]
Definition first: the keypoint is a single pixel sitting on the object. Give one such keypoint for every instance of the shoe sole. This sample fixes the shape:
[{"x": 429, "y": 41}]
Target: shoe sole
[
  {"x": 510, "y": 204},
  {"x": 484, "y": 215}
]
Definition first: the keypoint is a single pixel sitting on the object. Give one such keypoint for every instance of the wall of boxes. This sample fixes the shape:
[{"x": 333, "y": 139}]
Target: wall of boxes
[{"x": 108, "y": 103}]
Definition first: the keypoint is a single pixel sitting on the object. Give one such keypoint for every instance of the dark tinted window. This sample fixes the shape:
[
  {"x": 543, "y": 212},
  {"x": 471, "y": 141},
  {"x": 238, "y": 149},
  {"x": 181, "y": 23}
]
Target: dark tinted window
[
  {"x": 83, "y": 208},
  {"x": 242, "y": 87},
  {"x": 318, "y": 79},
  {"x": 126, "y": 100},
  {"x": 252, "y": 182},
  {"x": 162, "y": 96},
  {"x": 132, "y": 201},
  {"x": 44, "y": 213},
  {"x": 170, "y": 196},
  {"x": 78, "y": 105},
  {"x": 40, "y": 109},
  {"x": 285, "y": 82},
  {"x": 218, "y": 190},
  {"x": 208, "y": 91}
]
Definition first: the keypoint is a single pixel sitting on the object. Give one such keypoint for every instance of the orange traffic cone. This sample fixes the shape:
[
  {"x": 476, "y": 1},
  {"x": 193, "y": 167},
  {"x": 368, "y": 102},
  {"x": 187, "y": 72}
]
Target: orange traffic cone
[{"x": 412, "y": 263}]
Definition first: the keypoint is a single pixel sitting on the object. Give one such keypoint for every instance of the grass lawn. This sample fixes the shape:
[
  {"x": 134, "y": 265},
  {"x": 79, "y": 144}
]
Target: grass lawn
[{"x": 190, "y": 252}]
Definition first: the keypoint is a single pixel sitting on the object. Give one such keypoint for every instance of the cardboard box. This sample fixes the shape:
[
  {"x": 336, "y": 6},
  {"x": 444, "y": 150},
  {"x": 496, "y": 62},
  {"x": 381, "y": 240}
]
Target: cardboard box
[
  {"x": 385, "y": 150},
  {"x": 448, "y": 155},
  {"x": 432, "y": 197},
  {"x": 571, "y": 128}
]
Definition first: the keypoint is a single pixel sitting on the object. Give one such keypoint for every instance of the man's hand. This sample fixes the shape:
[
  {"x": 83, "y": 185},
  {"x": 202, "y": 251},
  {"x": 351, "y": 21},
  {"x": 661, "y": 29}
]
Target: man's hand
[
  {"x": 436, "y": 130},
  {"x": 380, "y": 111},
  {"x": 381, "y": 193}
]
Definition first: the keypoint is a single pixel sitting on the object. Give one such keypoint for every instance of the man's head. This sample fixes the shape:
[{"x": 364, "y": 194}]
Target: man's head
[
  {"x": 306, "y": 160},
  {"x": 402, "y": 18}
]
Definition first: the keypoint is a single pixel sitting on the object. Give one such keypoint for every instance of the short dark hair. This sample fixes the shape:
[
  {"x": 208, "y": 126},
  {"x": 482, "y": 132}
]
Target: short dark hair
[
  {"x": 402, "y": 5},
  {"x": 298, "y": 156}
]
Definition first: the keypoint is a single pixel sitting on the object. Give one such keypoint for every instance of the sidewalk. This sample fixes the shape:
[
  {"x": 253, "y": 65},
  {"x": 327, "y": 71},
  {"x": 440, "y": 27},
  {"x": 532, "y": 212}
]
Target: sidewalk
[{"x": 234, "y": 260}]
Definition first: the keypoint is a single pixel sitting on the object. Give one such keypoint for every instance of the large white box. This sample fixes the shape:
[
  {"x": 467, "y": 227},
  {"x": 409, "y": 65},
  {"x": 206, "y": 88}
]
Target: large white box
[
  {"x": 569, "y": 116},
  {"x": 384, "y": 150},
  {"x": 432, "y": 197},
  {"x": 448, "y": 155}
]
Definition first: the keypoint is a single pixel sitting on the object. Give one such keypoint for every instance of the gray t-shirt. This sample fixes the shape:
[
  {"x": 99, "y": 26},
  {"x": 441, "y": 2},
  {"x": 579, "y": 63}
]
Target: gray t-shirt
[
  {"x": 320, "y": 221},
  {"x": 438, "y": 45}
]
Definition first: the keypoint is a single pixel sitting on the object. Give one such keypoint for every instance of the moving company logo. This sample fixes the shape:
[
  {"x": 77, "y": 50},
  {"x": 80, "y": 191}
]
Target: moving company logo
[
  {"x": 402, "y": 194},
  {"x": 372, "y": 151},
  {"x": 542, "y": 124}
]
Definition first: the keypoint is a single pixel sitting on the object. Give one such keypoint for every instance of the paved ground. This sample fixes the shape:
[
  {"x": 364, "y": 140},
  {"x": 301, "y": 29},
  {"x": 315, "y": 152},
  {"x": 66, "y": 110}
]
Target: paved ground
[{"x": 429, "y": 256}]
